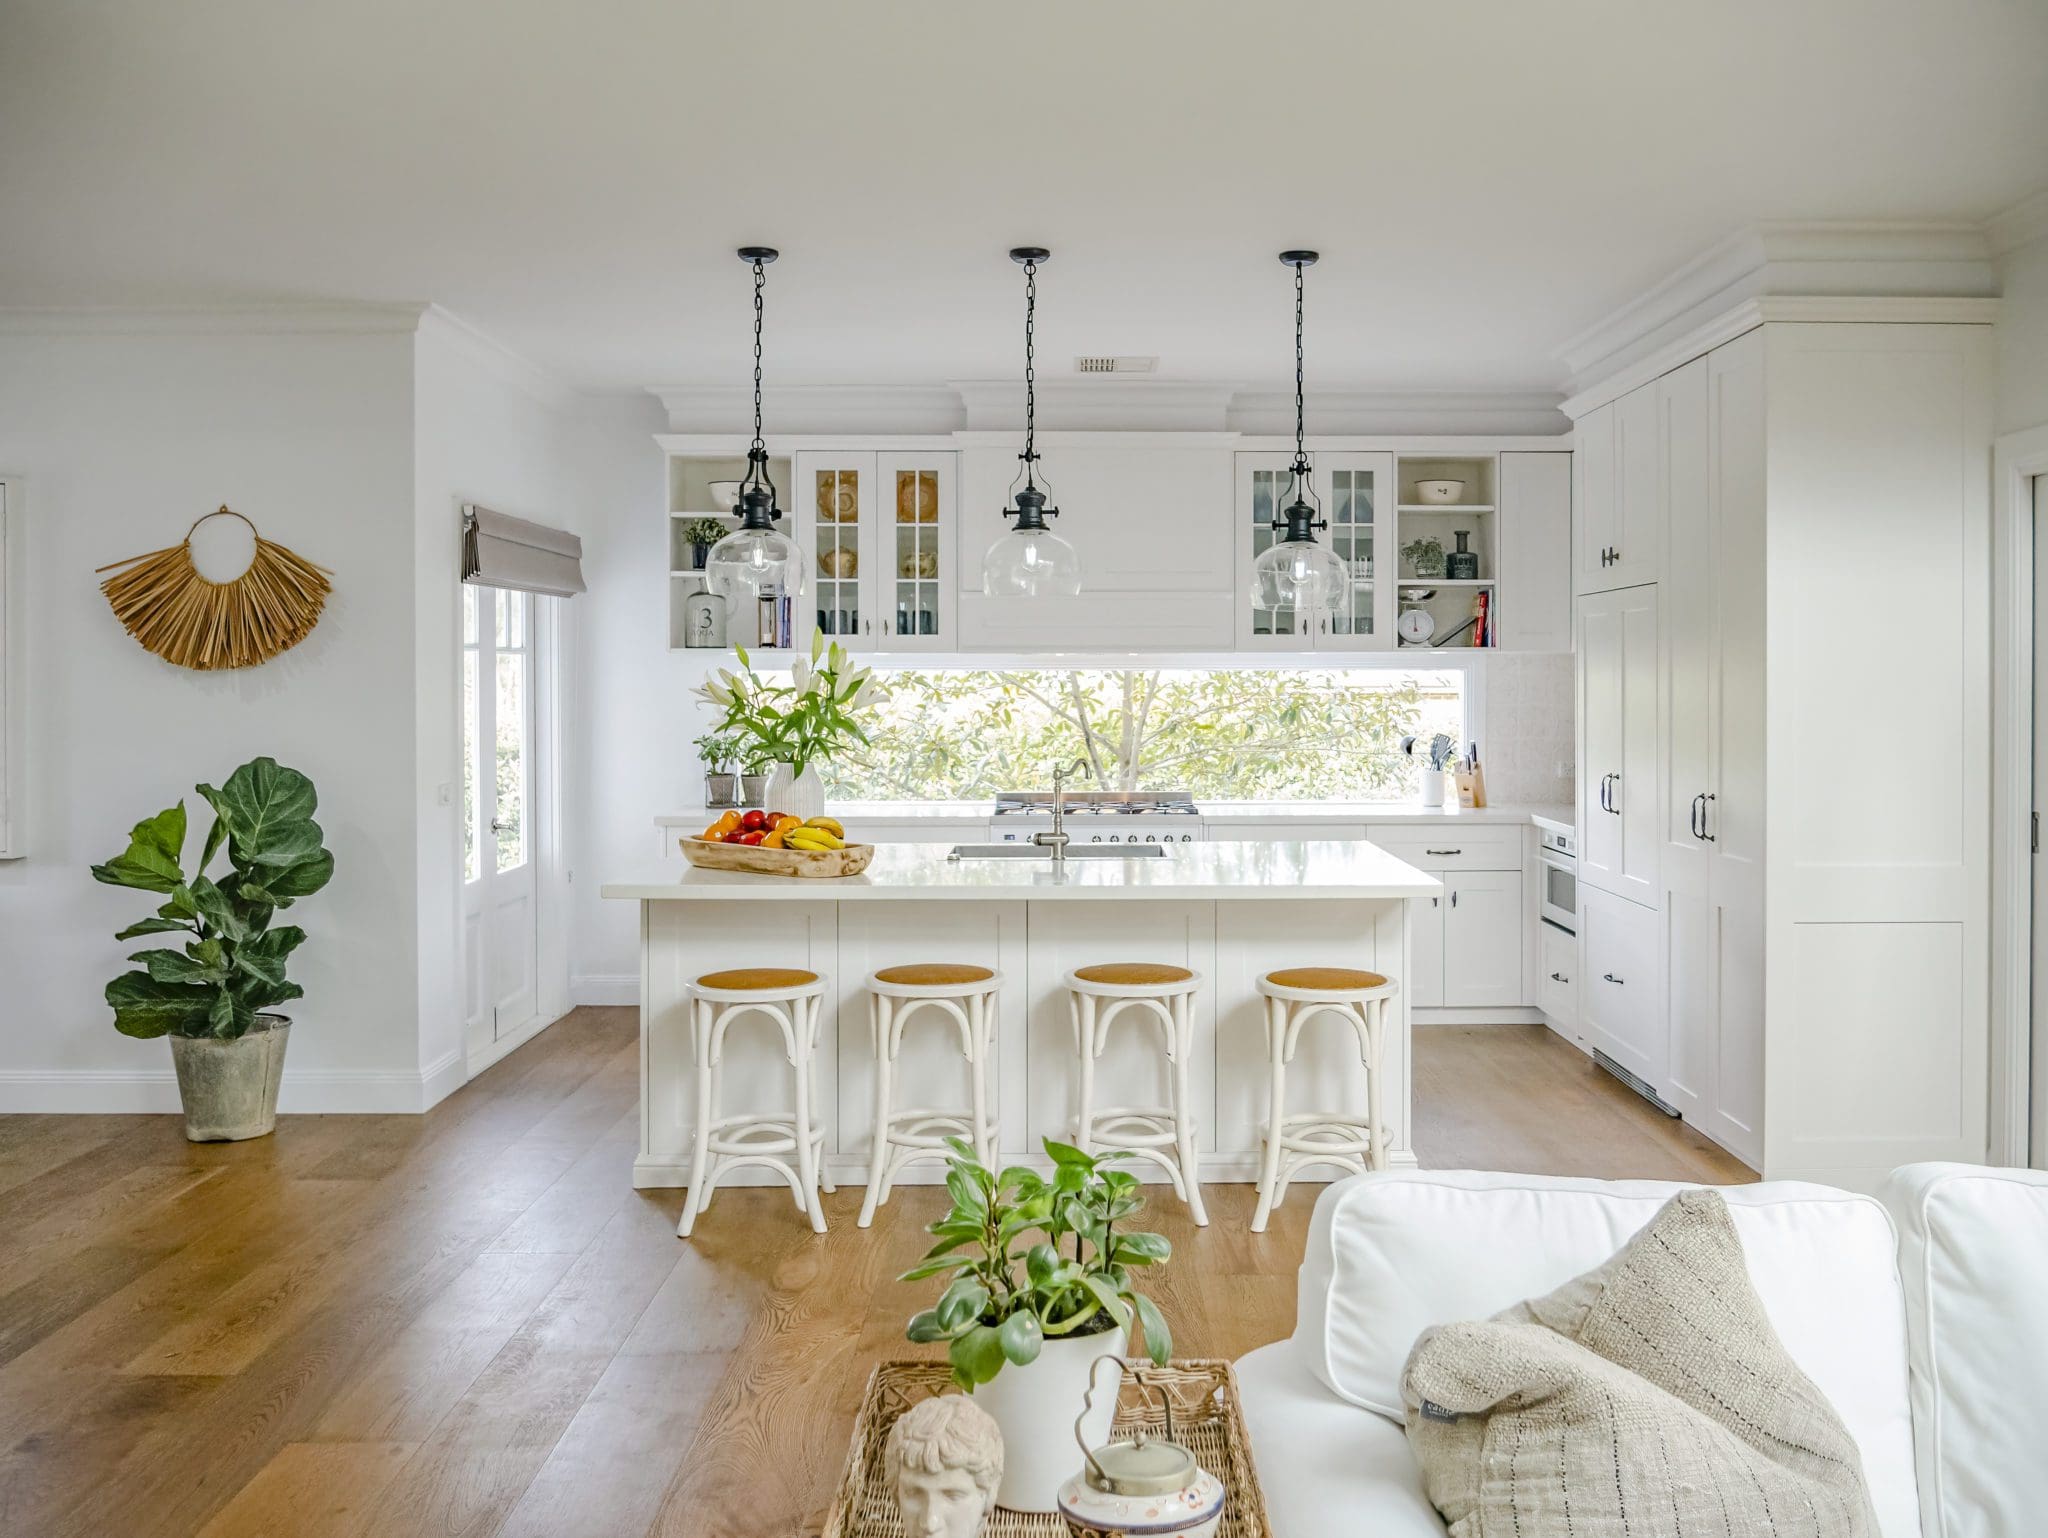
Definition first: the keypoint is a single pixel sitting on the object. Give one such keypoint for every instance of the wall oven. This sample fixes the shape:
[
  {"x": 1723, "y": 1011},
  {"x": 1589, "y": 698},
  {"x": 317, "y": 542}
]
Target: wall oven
[{"x": 1557, "y": 853}]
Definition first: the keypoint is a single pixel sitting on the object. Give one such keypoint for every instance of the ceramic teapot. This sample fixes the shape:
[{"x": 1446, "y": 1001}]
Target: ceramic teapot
[{"x": 1149, "y": 1484}]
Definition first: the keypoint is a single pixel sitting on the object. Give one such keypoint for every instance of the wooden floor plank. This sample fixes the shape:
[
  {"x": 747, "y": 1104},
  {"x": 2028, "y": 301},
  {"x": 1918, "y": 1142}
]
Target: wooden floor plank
[{"x": 469, "y": 1323}]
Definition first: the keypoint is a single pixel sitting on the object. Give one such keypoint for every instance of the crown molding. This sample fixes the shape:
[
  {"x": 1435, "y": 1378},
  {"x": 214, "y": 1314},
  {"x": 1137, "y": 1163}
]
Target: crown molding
[
  {"x": 2020, "y": 225},
  {"x": 810, "y": 409},
  {"x": 1808, "y": 261},
  {"x": 214, "y": 320},
  {"x": 1137, "y": 404},
  {"x": 501, "y": 362},
  {"x": 1824, "y": 309},
  {"x": 1374, "y": 413}
]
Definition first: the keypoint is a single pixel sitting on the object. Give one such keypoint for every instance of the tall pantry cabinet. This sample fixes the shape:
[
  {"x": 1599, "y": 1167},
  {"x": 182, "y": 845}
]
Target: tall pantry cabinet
[{"x": 1817, "y": 907}]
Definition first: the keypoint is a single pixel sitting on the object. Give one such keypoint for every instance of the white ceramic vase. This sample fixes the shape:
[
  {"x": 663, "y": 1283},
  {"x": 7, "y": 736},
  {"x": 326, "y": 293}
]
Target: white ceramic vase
[
  {"x": 800, "y": 795},
  {"x": 1432, "y": 787},
  {"x": 1036, "y": 1407}
]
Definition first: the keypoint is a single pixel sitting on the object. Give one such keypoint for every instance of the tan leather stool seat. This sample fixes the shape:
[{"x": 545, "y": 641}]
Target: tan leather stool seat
[
  {"x": 934, "y": 974},
  {"x": 742, "y": 979},
  {"x": 1332, "y": 979},
  {"x": 1133, "y": 974}
]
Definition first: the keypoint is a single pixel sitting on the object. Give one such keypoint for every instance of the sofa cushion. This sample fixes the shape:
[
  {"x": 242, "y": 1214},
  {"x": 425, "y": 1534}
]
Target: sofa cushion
[
  {"x": 1328, "y": 1469},
  {"x": 1973, "y": 1254},
  {"x": 1649, "y": 1396},
  {"x": 1391, "y": 1254}
]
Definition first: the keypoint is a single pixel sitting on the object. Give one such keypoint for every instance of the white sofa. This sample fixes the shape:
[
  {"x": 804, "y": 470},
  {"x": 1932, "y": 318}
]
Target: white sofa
[{"x": 1923, "y": 1317}]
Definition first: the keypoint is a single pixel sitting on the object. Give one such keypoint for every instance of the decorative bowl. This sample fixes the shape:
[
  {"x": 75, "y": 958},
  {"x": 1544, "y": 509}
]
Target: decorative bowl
[
  {"x": 921, "y": 563},
  {"x": 818, "y": 864},
  {"x": 839, "y": 563},
  {"x": 1441, "y": 493},
  {"x": 725, "y": 495}
]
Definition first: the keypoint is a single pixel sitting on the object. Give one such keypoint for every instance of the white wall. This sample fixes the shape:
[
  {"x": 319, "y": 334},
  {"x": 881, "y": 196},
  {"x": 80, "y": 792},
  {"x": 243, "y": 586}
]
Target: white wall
[
  {"x": 122, "y": 440},
  {"x": 490, "y": 429},
  {"x": 2023, "y": 337}
]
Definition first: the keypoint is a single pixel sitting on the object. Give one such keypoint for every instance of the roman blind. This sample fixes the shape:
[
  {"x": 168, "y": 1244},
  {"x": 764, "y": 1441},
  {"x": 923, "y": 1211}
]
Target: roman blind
[{"x": 499, "y": 550}]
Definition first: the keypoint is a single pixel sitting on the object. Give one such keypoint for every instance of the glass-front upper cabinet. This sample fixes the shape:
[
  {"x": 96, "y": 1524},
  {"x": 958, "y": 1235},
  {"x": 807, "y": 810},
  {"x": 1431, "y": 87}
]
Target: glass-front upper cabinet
[
  {"x": 878, "y": 530},
  {"x": 1356, "y": 494}
]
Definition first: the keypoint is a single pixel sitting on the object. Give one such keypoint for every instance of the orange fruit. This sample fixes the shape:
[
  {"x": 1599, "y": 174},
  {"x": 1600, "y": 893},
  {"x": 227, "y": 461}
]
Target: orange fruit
[{"x": 772, "y": 839}]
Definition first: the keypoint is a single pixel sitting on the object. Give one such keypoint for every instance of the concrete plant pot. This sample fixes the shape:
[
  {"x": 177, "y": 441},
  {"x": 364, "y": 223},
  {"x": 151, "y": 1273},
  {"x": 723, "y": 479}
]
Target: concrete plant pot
[{"x": 229, "y": 1088}]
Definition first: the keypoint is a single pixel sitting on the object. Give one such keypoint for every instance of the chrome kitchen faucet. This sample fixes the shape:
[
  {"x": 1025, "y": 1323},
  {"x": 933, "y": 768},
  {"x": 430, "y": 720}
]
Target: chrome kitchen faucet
[{"x": 1057, "y": 839}]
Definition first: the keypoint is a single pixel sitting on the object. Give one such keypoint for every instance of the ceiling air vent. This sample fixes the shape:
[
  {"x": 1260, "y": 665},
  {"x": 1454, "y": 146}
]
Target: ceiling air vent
[{"x": 1106, "y": 365}]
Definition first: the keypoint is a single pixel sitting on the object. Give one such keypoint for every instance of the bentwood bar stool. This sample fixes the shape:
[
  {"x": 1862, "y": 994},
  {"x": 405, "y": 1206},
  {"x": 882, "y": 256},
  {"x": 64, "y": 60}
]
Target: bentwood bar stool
[
  {"x": 790, "y": 1142},
  {"x": 1294, "y": 996},
  {"x": 964, "y": 996},
  {"x": 1097, "y": 997}
]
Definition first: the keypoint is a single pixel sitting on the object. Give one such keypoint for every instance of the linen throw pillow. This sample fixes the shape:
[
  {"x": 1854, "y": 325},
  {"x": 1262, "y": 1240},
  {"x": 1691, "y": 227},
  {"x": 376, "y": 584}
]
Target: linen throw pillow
[{"x": 1649, "y": 1398}]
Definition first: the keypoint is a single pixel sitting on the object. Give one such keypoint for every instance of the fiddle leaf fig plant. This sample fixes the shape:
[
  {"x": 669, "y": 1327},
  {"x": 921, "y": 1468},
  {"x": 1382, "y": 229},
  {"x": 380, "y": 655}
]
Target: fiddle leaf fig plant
[
  {"x": 232, "y": 966},
  {"x": 1032, "y": 1259}
]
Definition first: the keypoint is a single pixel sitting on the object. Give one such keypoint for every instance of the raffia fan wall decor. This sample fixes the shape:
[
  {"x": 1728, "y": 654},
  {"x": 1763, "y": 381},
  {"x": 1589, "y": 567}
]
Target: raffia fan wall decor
[{"x": 195, "y": 623}]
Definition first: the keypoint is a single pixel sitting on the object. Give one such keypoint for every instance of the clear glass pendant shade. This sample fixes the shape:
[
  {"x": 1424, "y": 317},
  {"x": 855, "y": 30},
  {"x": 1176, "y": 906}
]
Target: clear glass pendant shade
[
  {"x": 1031, "y": 563},
  {"x": 1299, "y": 575},
  {"x": 750, "y": 564}
]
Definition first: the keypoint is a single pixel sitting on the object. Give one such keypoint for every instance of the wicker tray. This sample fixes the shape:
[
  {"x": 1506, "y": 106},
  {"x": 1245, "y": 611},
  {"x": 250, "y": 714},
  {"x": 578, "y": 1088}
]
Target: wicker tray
[
  {"x": 822, "y": 864},
  {"x": 1206, "y": 1421}
]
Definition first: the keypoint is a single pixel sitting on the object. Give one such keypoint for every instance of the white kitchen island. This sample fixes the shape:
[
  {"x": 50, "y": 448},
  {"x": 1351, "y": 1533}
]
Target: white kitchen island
[{"x": 1230, "y": 911}]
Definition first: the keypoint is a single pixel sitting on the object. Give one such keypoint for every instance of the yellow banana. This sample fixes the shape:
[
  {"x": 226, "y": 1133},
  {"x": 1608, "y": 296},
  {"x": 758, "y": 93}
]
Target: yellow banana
[{"x": 831, "y": 825}]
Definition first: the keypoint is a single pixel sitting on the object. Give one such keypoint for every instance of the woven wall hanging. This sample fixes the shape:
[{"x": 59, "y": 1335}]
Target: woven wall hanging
[{"x": 186, "y": 619}]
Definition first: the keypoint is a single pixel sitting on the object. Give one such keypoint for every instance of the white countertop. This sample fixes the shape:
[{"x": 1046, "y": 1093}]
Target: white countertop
[
  {"x": 1213, "y": 811},
  {"x": 1277, "y": 870}
]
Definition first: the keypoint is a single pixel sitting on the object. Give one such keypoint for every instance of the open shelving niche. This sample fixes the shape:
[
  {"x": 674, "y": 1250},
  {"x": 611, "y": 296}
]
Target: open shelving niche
[
  {"x": 689, "y": 496},
  {"x": 1451, "y": 599}
]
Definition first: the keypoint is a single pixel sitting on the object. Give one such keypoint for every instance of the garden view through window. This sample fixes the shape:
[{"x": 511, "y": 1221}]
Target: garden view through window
[{"x": 1223, "y": 734}]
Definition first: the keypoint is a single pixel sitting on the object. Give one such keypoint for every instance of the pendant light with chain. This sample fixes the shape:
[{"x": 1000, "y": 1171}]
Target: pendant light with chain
[
  {"x": 1029, "y": 560},
  {"x": 757, "y": 560},
  {"x": 1294, "y": 573}
]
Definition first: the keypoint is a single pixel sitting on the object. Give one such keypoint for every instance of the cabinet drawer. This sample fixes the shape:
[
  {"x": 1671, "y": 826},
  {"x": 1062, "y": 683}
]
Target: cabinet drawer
[
  {"x": 1493, "y": 846},
  {"x": 1557, "y": 989}
]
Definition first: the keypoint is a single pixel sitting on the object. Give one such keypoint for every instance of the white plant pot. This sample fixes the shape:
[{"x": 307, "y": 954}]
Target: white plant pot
[
  {"x": 1036, "y": 1407},
  {"x": 800, "y": 795},
  {"x": 1432, "y": 787}
]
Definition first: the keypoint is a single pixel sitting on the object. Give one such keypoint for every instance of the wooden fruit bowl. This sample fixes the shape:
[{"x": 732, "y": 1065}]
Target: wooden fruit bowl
[{"x": 708, "y": 854}]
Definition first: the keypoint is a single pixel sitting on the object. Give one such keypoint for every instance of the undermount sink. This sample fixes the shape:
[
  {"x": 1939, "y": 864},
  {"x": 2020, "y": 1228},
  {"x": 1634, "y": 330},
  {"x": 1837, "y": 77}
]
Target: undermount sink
[{"x": 1022, "y": 851}]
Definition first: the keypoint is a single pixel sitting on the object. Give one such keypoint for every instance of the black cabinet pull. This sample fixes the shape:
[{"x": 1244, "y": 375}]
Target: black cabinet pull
[
  {"x": 1443, "y": 851},
  {"x": 1454, "y": 899},
  {"x": 1709, "y": 837},
  {"x": 1614, "y": 980},
  {"x": 1699, "y": 810},
  {"x": 1559, "y": 977}
]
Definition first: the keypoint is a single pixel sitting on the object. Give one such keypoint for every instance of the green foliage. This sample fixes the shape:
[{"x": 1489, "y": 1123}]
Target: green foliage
[
  {"x": 1004, "y": 1245},
  {"x": 1224, "y": 734},
  {"x": 810, "y": 719},
  {"x": 731, "y": 752},
  {"x": 706, "y": 531},
  {"x": 232, "y": 967}
]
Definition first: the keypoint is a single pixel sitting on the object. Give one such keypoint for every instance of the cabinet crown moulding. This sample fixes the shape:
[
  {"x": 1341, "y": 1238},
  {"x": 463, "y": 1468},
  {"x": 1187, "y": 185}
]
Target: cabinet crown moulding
[
  {"x": 1783, "y": 260},
  {"x": 204, "y": 320}
]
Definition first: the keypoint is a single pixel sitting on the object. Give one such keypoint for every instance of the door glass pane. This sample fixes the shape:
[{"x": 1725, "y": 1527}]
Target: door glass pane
[
  {"x": 511, "y": 703},
  {"x": 1351, "y": 537},
  {"x": 915, "y": 517},
  {"x": 472, "y": 746},
  {"x": 837, "y": 530},
  {"x": 1269, "y": 491}
]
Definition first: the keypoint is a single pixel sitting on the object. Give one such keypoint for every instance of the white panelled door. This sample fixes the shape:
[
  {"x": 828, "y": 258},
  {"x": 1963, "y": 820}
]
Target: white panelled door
[{"x": 498, "y": 828}]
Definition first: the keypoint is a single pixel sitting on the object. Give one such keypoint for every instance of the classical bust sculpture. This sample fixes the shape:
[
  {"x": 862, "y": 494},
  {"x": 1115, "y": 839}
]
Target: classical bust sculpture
[{"x": 945, "y": 1459}]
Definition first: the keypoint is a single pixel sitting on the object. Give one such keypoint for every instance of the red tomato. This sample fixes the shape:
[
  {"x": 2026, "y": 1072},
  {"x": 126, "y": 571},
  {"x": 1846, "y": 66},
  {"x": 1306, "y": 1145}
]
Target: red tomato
[
  {"x": 754, "y": 837},
  {"x": 755, "y": 821}
]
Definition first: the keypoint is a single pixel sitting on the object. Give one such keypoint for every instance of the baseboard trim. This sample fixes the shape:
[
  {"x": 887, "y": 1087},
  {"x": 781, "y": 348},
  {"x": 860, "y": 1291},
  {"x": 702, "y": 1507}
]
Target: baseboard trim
[
  {"x": 655, "y": 1173},
  {"x": 605, "y": 988},
  {"x": 154, "y": 1091}
]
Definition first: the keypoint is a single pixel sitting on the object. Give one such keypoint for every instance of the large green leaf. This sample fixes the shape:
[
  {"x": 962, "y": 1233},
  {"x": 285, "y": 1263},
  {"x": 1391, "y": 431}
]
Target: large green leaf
[
  {"x": 176, "y": 967},
  {"x": 281, "y": 885},
  {"x": 145, "y": 1007},
  {"x": 265, "y": 955},
  {"x": 1158, "y": 1339},
  {"x": 216, "y": 908},
  {"x": 269, "y": 812},
  {"x": 977, "y": 1356},
  {"x": 258, "y": 995},
  {"x": 1020, "y": 1337},
  {"x": 155, "y": 846},
  {"x": 230, "y": 1015},
  {"x": 154, "y": 926}
]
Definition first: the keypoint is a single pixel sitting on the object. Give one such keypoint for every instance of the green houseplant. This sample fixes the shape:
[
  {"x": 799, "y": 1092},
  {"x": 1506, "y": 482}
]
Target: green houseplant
[
  {"x": 215, "y": 997},
  {"x": 702, "y": 534},
  {"x": 794, "y": 725},
  {"x": 1042, "y": 1285}
]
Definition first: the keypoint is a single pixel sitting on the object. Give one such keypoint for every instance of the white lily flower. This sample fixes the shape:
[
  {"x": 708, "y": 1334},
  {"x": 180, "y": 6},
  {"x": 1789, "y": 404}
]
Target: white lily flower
[{"x": 800, "y": 675}]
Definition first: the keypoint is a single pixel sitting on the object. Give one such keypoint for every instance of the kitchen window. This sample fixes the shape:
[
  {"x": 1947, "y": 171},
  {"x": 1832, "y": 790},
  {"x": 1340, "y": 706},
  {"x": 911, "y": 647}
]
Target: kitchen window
[{"x": 1225, "y": 734}]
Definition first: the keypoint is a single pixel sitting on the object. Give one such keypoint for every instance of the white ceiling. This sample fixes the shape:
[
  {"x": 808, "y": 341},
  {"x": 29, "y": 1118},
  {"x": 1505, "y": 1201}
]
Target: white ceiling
[{"x": 1484, "y": 178}]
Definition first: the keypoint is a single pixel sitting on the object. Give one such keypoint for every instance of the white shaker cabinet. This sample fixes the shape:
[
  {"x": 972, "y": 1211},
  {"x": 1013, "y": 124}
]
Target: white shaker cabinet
[
  {"x": 1356, "y": 495},
  {"x": 1711, "y": 864},
  {"x": 1619, "y": 992},
  {"x": 878, "y": 531},
  {"x": 1557, "y": 988},
  {"x": 1466, "y": 943},
  {"x": 1617, "y": 514},
  {"x": 1618, "y": 789},
  {"x": 1535, "y": 521}
]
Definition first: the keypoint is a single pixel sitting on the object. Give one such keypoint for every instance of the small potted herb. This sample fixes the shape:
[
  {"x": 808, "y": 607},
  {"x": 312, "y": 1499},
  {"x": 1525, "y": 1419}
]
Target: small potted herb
[
  {"x": 702, "y": 534},
  {"x": 216, "y": 997},
  {"x": 720, "y": 754},
  {"x": 1040, "y": 1288},
  {"x": 1425, "y": 556}
]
